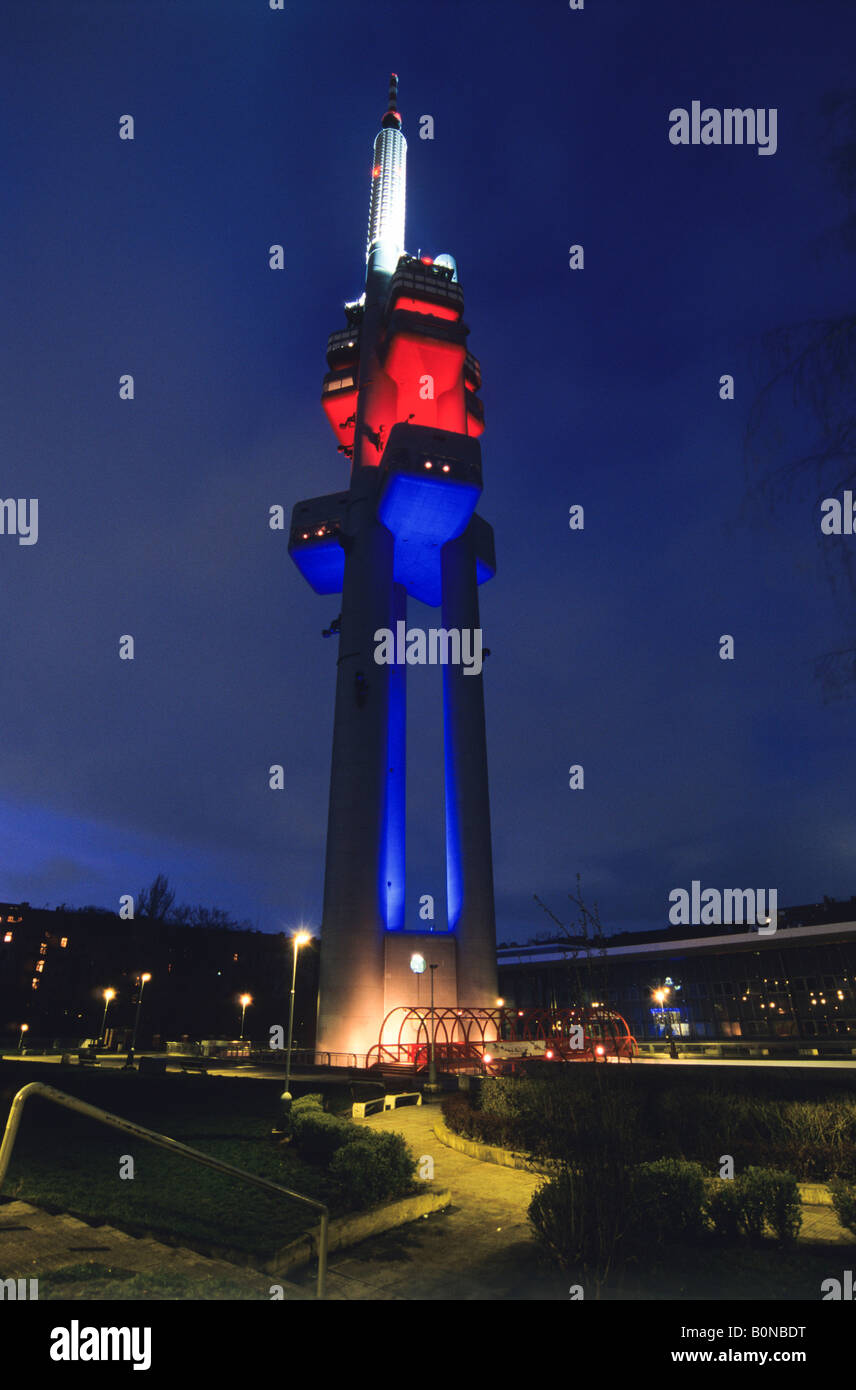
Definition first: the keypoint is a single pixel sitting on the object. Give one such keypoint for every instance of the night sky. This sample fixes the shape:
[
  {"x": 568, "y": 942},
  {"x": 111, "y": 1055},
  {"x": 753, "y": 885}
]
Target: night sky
[{"x": 601, "y": 387}]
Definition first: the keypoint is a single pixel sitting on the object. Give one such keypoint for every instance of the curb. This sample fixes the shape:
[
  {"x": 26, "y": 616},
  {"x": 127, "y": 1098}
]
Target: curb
[
  {"x": 489, "y": 1153},
  {"x": 350, "y": 1230}
]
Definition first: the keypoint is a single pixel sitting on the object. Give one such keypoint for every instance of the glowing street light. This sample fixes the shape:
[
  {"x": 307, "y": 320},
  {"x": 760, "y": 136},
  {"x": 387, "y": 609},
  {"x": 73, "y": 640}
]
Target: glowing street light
[
  {"x": 300, "y": 938},
  {"x": 25, "y": 1028},
  {"x": 244, "y": 1000},
  {"x": 660, "y": 999},
  {"x": 129, "y": 1061},
  {"x": 108, "y": 995}
]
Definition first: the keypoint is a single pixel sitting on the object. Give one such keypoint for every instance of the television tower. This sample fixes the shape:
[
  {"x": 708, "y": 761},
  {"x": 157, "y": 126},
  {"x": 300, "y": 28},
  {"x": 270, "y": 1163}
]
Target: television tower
[{"x": 401, "y": 397}]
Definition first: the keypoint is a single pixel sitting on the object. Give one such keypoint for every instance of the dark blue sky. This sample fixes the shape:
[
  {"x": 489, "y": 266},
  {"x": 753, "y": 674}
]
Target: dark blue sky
[{"x": 600, "y": 387}]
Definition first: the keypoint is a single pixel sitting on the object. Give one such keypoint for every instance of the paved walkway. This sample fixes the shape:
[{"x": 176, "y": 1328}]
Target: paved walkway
[{"x": 482, "y": 1248}]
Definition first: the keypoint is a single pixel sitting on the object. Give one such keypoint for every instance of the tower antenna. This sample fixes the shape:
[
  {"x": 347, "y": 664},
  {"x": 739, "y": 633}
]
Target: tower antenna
[{"x": 392, "y": 117}]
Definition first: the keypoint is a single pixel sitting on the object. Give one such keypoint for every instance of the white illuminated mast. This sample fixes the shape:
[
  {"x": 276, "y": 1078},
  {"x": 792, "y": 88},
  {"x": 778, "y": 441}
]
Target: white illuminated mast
[{"x": 389, "y": 188}]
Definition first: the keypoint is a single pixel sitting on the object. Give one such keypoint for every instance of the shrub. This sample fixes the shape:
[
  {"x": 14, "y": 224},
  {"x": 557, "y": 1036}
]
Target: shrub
[
  {"x": 580, "y": 1217},
  {"x": 752, "y": 1190},
  {"x": 310, "y": 1102},
  {"x": 284, "y": 1123},
  {"x": 668, "y": 1202},
  {"x": 767, "y": 1121},
  {"x": 318, "y": 1135},
  {"x": 783, "y": 1206},
  {"x": 723, "y": 1210},
  {"x": 462, "y": 1118},
  {"x": 373, "y": 1168},
  {"x": 769, "y": 1196},
  {"x": 844, "y": 1202},
  {"x": 457, "y": 1113}
]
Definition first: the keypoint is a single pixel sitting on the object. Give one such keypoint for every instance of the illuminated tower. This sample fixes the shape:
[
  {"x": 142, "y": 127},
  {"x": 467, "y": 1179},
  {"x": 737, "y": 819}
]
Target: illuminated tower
[{"x": 401, "y": 397}]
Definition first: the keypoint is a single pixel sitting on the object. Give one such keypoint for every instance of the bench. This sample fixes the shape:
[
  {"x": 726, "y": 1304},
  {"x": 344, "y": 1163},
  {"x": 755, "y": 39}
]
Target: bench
[
  {"x": 87, "y": 1057},
  {"x": 200, "y": 1064},
  {"x": 374, "y": 1099},
  {"x": 403, "y": 1098}
]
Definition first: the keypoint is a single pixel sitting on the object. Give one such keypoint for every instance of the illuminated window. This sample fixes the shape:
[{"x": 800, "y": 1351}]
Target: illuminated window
[
  {"x": 8, "y": 936},
  {"x": 235, "y": 956},
  {"x": 35, "y": 982},
  {"x": 43, "y": 949},
  {"x": 40, "y": 965},
  {"x": 63, "y": 941}
]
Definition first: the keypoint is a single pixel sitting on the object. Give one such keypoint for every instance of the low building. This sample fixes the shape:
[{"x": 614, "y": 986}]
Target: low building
[
  {"x": 718, "y": 983},
  {"x": 56, "y": 964}
]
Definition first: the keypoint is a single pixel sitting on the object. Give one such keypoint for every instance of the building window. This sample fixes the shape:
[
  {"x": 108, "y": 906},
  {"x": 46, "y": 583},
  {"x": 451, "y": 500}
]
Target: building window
[
  {"x": 235, "y": 956},
  {"x": 35, "y": 984},
  {"x": 43, "y": 950},
  {"x": 63, "y": 941},
  {"x": 40, "y": 965},
  {"x": 7, "y": 937}
]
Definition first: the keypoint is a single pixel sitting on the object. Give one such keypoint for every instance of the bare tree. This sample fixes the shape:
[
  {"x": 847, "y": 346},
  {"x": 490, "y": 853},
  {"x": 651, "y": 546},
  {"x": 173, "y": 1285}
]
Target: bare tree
[
  {"x": 155, "y": 902},
  {"x": 585, "y": 950}
]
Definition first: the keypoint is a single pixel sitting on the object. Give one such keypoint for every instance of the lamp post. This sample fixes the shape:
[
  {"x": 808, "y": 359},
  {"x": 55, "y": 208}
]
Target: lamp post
[
  {"x": 432, "y": 1064},
  {"x": 129, "y": 1061},
  {"x": 244, "y": 1000},
  {"x": 660, "y": 997},
  {"x": 25, "y": 1028},
  {"x": 301, "y": 938},
  {"x": 108, "y": 995}
]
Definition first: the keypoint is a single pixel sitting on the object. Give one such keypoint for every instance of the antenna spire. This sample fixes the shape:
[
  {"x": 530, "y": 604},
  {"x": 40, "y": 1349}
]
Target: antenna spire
[{"x": 392, "y": 117}]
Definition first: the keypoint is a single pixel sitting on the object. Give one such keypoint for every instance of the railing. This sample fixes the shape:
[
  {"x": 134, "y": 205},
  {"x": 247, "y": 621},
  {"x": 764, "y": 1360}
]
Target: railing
[{"x": 160, "y": 1141}]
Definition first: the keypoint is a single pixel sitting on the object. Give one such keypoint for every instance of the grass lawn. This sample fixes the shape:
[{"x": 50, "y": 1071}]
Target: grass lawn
[{"x": 65, "y": 1162}]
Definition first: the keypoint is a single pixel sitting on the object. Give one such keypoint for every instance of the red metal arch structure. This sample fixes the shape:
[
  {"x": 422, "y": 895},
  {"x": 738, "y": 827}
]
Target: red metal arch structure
[{"x": 499, "y": 1040}]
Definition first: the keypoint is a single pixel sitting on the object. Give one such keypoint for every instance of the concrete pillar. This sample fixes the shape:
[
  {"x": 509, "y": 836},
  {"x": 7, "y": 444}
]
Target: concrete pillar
[
  {"x": 352, "y": 933},
  {"x": 469, "y": 862}
]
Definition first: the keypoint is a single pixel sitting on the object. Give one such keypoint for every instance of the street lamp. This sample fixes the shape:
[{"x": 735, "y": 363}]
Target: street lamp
[
  {"x": 108, "y": 995},
  {"x": 244, "y": 1000},
  {"x": 301, "y": 938},
  {"x": 129, "y": 1061},
  {"x": 25, "y": 1028},
  {"x": 660, "y": 999}
]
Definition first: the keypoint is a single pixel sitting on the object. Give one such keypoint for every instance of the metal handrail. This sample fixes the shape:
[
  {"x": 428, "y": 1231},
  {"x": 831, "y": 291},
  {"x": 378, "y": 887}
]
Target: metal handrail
[{"x": 160, "y": 1141}]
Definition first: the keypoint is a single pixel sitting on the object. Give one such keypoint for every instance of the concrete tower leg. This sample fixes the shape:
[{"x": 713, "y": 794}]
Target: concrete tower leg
[
  {"x": 352, "y": 950},
  {"x": 469, "y": 862},
  {"x": 393, "y": 865}
]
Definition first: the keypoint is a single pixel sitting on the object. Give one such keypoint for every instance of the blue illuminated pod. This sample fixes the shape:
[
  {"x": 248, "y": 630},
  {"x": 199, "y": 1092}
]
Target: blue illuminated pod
[
  {"x": 315, "y": 543},
  {"x": 431, "y": 482}
]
